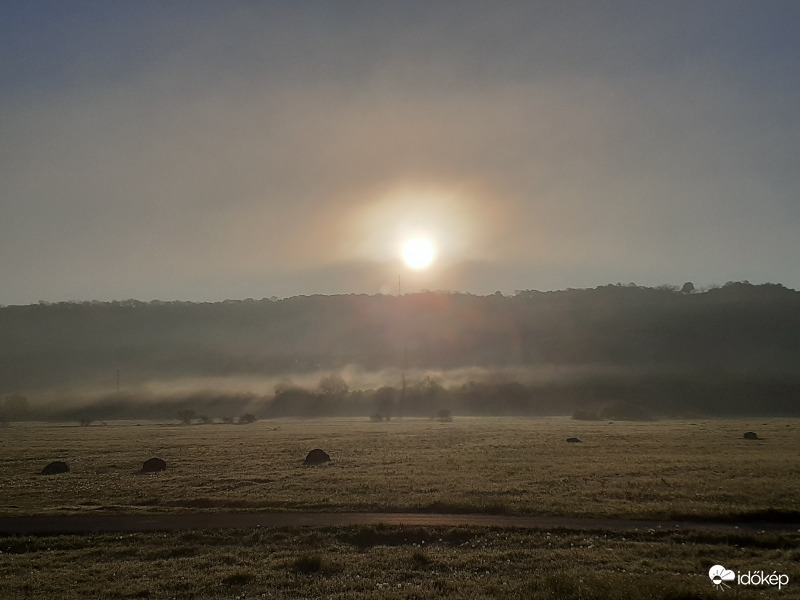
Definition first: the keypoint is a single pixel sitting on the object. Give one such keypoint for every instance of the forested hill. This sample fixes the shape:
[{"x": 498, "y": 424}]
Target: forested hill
[{"x": 740, "y": 329}]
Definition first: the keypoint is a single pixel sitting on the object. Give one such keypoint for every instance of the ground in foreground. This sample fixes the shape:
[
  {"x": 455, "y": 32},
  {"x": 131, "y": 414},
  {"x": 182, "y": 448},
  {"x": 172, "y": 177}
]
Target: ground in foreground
[{"x": 391, "y": 562}]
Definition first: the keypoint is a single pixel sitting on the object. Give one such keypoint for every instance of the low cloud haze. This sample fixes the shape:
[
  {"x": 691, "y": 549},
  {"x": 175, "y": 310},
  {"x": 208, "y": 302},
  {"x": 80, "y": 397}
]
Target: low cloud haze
[{"x": 207, "y": 151}]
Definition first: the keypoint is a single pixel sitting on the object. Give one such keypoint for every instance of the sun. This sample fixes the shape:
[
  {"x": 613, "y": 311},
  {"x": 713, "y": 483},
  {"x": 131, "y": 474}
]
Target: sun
[{"x": 418, "y": 253}]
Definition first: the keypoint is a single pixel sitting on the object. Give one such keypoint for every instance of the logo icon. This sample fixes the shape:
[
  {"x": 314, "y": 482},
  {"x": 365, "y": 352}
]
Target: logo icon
[{"x": 719, "y": 575}]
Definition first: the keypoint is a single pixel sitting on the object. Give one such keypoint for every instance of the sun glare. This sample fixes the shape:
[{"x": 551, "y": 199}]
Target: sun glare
[{"x": 418, "y": 253}]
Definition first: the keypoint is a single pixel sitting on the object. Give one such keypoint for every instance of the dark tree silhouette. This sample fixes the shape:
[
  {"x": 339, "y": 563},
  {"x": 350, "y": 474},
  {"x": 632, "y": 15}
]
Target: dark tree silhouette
[
  {"x": 733, "y": 349},
  {"x": 384, "y": 401},
  {"x": 333, "y": 386},
  {"x": 186, "y": 415}
]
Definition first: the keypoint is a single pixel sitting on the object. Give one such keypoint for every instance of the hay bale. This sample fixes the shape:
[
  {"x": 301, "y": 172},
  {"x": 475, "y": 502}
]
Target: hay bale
[
  {"x": 573, "y": 441},
  {"x": 56, "y": 467},
  {"x": 154, "y": 465},
  {"x": 316, "y": 457},
  {"x": 751, "y": 435}
]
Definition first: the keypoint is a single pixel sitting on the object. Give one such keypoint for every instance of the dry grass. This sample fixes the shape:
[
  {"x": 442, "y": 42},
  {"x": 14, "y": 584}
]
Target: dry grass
[
  {"x": 703, "y": 468},
  {"x": 516, "y": 466},
  {"x": 388, "y": 563}
]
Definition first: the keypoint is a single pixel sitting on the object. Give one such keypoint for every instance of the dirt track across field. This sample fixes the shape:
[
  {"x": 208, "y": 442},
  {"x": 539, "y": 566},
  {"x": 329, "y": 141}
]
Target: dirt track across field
[{"x": 92, "y": 524}]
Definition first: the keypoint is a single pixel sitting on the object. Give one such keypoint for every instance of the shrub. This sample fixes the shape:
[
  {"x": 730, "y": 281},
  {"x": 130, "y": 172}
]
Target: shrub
[{"x": 248, "y": 418}]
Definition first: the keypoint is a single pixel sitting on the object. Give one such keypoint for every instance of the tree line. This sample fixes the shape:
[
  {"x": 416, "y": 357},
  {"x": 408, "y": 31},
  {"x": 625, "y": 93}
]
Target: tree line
[{"x": 729, "y": 348}]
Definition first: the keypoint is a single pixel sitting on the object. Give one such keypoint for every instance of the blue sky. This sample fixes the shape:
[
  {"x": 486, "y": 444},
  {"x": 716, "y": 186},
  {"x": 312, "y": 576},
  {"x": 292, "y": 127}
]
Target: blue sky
[{"x": 211, "y": 150}]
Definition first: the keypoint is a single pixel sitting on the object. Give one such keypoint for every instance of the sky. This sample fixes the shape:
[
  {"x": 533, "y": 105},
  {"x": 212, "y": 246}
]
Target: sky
[{"x": 198, "y": 150}]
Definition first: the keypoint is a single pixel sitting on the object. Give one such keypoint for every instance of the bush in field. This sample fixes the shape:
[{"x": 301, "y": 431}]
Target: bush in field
[
  {"x": 205, "y": 419},
  {"x": 86, "y": 422},
  {"x": 248, "y": 418},
  {"x": 444, "y": 416},
  {"x": 376, "y": 417}
]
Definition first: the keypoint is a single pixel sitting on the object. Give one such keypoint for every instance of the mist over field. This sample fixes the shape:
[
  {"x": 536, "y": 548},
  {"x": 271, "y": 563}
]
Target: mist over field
[
  {"x": 220, "y": 225},
  {"x": 240, "y": 149},
  {"x": 619, "y": 351}
]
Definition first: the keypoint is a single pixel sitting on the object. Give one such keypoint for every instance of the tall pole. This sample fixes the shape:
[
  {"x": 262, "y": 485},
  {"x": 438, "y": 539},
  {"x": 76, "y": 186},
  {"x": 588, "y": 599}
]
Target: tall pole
[
  {"x": 403, "y": 388},
  {"x": 405, "y": 346}
]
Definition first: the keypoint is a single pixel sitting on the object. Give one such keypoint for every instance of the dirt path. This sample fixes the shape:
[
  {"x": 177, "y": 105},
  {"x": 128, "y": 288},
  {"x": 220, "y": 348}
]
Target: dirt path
[{"x": 90, "y": 524}]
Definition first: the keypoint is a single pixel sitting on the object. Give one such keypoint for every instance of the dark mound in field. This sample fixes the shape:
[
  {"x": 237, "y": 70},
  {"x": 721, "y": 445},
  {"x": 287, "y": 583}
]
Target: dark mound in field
[
  {"x": 316, "y": 457},
  {"x": 751, "y": 435},
  {"x": 154, "y": 465},
  {"x": 54, "y": 468},
  {"x": 573, "y": 441}
]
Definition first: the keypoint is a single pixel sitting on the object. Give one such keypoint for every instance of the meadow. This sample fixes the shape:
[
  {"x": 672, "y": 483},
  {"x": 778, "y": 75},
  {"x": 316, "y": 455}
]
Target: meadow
[
  {"x": 392, "y": 563},
  {"x": 662, "y": 469},
  {"x": 699, "y": 469}
]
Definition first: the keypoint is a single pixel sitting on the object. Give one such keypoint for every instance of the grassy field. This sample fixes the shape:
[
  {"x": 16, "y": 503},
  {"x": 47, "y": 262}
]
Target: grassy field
[
  {"x": 392, "y": 563},
  {"x": 515, "y": 466}
]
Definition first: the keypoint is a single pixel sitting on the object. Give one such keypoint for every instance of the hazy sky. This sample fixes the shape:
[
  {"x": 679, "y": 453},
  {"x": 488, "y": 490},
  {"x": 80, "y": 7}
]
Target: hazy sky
[{"x": 209, "y": 150}]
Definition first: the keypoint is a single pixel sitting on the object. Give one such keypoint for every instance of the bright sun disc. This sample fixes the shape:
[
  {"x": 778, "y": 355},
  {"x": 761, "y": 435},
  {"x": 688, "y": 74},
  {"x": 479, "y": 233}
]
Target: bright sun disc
[{"x": 418, "y": 253}]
